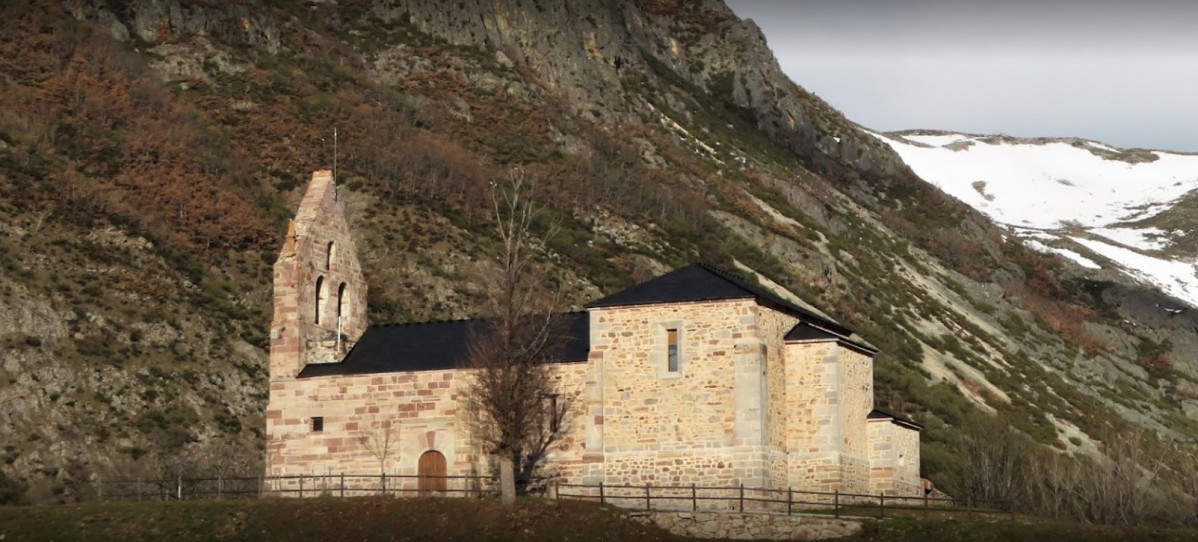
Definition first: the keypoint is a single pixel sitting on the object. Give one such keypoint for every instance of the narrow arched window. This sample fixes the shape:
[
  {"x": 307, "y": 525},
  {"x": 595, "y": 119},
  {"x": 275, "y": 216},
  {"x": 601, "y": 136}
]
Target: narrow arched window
[
  {"x": 320, "y": 295},
  {"x": 328, "y": 259},
  {"x": 340, "y": 302}
]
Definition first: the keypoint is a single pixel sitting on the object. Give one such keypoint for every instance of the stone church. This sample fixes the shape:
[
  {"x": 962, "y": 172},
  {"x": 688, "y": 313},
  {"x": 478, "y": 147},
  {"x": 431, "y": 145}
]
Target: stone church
[{"x": 693, "y": 377}]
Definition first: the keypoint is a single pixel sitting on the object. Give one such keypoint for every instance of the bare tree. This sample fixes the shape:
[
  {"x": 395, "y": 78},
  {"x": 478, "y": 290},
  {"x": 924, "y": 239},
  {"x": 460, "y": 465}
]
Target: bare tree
[
  {"x": 221, "y": 458},
  {"x": 380, "y": 438},
  {"x": 1120, "y": 487},
  {"x": 1135, "y": 479},
  {"x": 998, "y": 456},
  {"x": 1186, "y": 465},
  {"x": 512, "y": 398}
]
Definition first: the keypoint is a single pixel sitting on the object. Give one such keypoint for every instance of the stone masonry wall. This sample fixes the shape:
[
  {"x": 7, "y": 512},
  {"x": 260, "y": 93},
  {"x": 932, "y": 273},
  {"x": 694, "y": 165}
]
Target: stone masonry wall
[
  {"x": 701, "y": 424},
  {"x": 415, "y": 412},
  {"x": 829, "y": 396},
  {"x": 813, "y": 431},
  {"x": 774, "y": 326},
  {"x": 856, "y": 397},
  {"x": 882, "y": 455},
  {"x": 907, "y": 476},
  {"x": 358, "y": 411},
  {"x": 894, "y": 459}
]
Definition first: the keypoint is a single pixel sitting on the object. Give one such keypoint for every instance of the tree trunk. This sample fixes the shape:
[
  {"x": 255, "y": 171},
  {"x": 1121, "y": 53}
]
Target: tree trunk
[{"x": 507, "y": 479}]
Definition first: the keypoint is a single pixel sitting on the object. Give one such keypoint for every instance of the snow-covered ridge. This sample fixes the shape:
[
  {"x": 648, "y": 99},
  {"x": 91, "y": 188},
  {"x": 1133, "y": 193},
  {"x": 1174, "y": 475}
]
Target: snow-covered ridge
[{"x": 1069, "y": 196}]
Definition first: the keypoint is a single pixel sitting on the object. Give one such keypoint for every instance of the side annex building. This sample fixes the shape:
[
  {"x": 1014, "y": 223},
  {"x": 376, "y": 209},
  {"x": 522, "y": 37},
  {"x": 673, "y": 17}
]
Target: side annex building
[{"x": 693, "y": 377}]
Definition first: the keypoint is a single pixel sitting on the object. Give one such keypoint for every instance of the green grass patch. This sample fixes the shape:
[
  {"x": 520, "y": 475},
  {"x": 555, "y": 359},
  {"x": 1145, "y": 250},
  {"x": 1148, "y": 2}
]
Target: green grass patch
[
  {"x": 367, "y": 519},
  {"x": 1002, "y": 530},
  {"x": 327, "y": 519}
]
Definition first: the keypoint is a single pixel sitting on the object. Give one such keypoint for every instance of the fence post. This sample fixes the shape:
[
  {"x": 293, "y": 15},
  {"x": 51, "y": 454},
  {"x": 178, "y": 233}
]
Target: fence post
[
  {"x": 343, "y": 484},
  {"x": 301, "y": 491},
  {"x": 383, "y": 482},
  {"x": 1011, "y": 505},
  {"x": 219, "y": 486},
  {"x": 601, "y": 499},
  {"x": 836, "y": 503},
  {"x": 179, "y": 488},
  {"x": 139, "y": 497},
  {"x": 647, "y": 505},
  {"x": 790, "y": 499},
  {"x": 261, "y": 485},
  {"x": 694, "y": 498},
  {"x": 742, "y": 497},
  {"x": 925, "y": 503},
  {"x": 557, "y": 492},
  {"x": 100, "y": 488},
  {"x": 882, "y": 505}
]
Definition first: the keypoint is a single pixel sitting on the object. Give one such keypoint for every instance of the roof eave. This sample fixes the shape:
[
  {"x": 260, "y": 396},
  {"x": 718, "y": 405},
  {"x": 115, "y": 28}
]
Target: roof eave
[{"x": 597, "y": 305}]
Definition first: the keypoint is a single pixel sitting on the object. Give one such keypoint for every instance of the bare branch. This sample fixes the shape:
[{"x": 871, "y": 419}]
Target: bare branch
[{"x": 380, "y": 438}]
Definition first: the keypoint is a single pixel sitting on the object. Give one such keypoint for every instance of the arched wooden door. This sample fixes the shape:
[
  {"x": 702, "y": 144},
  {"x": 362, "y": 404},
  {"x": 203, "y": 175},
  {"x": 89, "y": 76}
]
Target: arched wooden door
[{"x": 432, "y": 473}]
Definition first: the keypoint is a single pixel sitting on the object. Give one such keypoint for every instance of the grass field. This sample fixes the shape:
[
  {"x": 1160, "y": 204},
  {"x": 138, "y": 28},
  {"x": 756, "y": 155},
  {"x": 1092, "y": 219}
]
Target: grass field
[{"x": 371, "y": 519}]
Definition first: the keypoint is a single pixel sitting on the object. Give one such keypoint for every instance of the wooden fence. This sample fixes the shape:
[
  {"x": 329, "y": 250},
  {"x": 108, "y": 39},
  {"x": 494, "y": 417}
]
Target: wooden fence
[
  {"x": 695, "y": 498},
  {"x": 299, "y": 485},
  {"x": 743, "y": 499}
]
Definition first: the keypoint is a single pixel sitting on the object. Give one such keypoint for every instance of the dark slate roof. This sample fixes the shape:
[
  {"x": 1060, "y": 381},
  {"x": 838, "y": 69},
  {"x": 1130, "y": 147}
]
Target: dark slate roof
[
  {"x": 876, "y": 414},
  {"x": 806, "y": 331},
  {"x": 436, "y": 345},
  {"x": 698, "y": 282}
]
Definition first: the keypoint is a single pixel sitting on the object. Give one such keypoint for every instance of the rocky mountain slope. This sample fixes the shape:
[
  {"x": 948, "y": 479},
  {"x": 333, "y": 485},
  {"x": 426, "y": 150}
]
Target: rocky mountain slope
[{"x": 151, "y": 152}]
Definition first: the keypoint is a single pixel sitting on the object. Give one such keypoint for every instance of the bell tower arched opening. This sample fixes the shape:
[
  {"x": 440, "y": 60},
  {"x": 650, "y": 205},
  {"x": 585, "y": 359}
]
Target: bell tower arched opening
[
  {"x": 340, "y": 306},
  {"x": 320, "y": 298}
]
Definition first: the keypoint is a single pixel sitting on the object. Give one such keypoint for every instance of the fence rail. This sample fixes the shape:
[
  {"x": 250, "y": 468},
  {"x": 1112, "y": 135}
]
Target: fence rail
[
  {"x": 743, "y": 499},
  {"x": 645, "y": 497},
  {"x": 298, "y": 485}
]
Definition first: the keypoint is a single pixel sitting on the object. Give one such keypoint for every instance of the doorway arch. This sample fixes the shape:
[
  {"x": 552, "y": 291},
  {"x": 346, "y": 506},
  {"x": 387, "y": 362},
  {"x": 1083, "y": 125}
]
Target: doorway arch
[{"x": 431, "y": 471}]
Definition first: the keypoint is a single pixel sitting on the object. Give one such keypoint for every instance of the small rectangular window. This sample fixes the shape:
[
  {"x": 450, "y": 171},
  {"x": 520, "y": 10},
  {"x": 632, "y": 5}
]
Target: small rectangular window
[
  {"x": 672, "y": 349},
  {"x": 554, "y": 420},
  {"x": 317, "y": 424}
]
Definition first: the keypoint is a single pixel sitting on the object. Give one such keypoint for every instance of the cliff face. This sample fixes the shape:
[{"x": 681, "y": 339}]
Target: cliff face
[
  {"x": 152, "y": 150},
  {"x": 583, "y": 50}
]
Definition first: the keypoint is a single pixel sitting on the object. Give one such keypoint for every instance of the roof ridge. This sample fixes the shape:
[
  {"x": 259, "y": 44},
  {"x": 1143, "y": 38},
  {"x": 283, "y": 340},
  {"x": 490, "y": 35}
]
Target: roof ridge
[
  {"x": 425, "y": 322},
  {"x": 902, "y": 419},
  {"x": 761, "y": 292},
  {"x": 454, "y": 320},
  {"x": 817, "y": 325},
  {"x": 739, "y": 281}
]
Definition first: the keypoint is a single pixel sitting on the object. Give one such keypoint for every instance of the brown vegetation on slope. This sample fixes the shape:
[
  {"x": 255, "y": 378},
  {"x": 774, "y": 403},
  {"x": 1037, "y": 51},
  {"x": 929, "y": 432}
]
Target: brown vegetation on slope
[{"x": 112, "y": 141}]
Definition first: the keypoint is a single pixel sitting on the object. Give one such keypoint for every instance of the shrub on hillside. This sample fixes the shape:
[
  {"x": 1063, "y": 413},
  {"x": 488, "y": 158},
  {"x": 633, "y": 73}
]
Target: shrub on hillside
[{"x": 12, "y": 491}]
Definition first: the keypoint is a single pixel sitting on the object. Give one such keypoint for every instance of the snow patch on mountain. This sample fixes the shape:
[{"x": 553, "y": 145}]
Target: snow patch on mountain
[
  {"x": 1077, "y": 258},
  {"x": 1058, "y": 195},
  {"x": 1145, "y": 238},
  {"x": 1178, "y": 278}
]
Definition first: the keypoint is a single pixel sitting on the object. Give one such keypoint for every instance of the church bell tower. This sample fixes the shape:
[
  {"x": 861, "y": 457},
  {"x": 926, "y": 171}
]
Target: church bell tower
[{"x": 319, "y": 291}]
